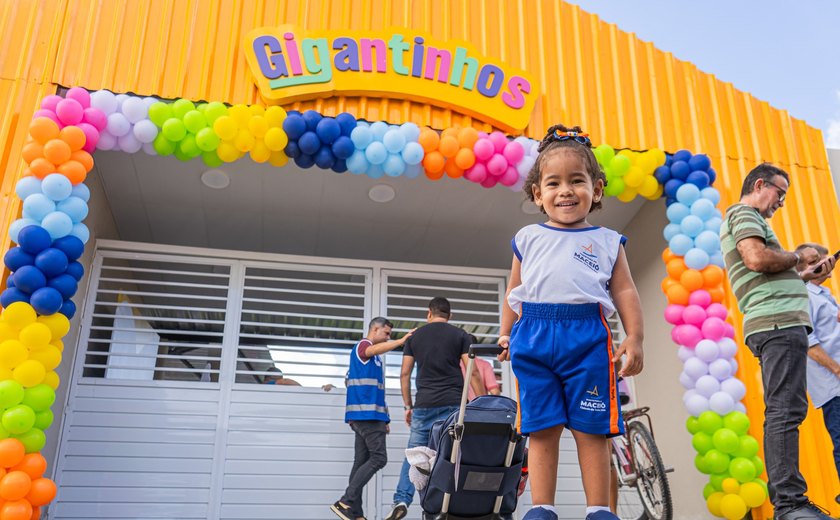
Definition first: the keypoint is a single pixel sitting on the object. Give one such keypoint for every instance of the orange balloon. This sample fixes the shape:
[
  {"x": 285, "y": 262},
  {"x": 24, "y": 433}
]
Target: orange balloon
[
  {"x": 41, "y": 492},
  {"x": 74, "y": 171},
  {"x": 668, "y": 282},
  {"x": 465, "y": 158},
  {"x": 717, "y": 294},
  {"x": 84, "y": 158},
  {"x": 32, "y": 150},
  {"x": 467, "y": 137},
  {"x": 675, "y": 267},
  {"x": 27, "y": 172},
  {"x": 16, "y": 510},
  {"x": 429, "y": 140},
  {"x": 33, "y": 464},
  {"x": 11, "y": 452},
  {"x": 712, "y": 275},
  {"x": 452, "y": 169},
  {"x": 448, "y": 146},
  {"x": 691, "y": 279},
  {"x": 57, "y": 151},
  {"x": 677, "y": 294},
  {"x": 433, "y": 164},
  {"x": 452, "y": 131},
  {"x": 15, "y": 485},
  {"x": 41, "y": 168},
  {"x": 42, "y": 129},
  {"x": 36, "y": 513},
  {"x": 73, "y": 136},
  {"x": 667, "y": 255}
]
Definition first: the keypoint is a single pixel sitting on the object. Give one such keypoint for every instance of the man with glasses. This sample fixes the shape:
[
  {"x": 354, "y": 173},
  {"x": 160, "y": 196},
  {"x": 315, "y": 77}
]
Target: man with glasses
[{"x": 767, "y": 282}]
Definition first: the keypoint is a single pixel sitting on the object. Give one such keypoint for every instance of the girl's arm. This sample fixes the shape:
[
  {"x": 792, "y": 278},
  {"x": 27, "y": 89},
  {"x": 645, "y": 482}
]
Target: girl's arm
[
  {"x": 508, "y": 315},
  {"x": 629, "y": 309}
]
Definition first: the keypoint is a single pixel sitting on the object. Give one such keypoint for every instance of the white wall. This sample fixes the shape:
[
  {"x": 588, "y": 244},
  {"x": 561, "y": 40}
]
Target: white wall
[{"x": 834, "y": 165}]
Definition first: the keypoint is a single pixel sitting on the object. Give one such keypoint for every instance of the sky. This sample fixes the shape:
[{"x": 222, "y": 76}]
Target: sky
[{"x": 784, "y": 52}]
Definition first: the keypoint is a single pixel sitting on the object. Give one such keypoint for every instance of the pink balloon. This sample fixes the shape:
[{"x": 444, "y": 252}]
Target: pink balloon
[
  {"x": 694, "y": 315},
  {"x": 81, "y": 95},
  {"x": 497, "y": 165},
  {"x": 499, "y": 141},
  {"x": 673, "y": 314},
  {"x": 513, "y": 152},
  {"x": 46, "y": 113},
  {"x": 510, "y": 177},
  {"x": 489, "y": 182},
  {"x": 91, "y": 137},
  {"x": 675, "y": 336},
  {"x": 713, "y": 329},
  {"x": 717, "y": 310},
  {"x": 483, "y": 149},
  {"x": 96, "y": 117},
  {"x": 689, "y": 335},
  {"x": 700, "y": 297},
  {"x": 477, "y": 173},
  {"x": 50, "y": 102},
  {"x": 730, "y": 331},
  {"x": 69, "y": 112}
]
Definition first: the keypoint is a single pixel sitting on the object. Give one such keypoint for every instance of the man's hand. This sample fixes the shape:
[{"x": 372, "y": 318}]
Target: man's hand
[
  {"x": 825, "y": 266},
  {"x": 387, "y": 428},
  {"x": 408, "y": 417},
  {"x": 504, "y": 342},
  {"x": 635, "y": 357}
]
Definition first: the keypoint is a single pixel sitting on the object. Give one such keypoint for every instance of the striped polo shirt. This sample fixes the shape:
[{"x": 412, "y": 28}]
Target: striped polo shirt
[{"x": 767, "y": 300}]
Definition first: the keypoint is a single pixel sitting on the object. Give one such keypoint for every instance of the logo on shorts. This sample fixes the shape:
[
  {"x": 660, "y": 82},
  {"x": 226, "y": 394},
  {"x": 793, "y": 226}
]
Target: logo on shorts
[
  {"x": 594, "y": 391},
  {"x": 587, "y": 257},
  {"x": 594, "y": 403}
]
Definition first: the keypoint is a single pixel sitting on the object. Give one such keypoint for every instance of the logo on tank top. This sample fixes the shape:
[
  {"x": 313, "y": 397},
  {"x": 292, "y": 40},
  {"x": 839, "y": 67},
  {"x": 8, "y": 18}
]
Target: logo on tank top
[{"x": 585, "y": 256}]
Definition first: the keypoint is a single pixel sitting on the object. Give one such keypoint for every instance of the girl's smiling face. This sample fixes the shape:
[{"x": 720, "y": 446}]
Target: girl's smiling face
[{"x": 566, "y": 191}]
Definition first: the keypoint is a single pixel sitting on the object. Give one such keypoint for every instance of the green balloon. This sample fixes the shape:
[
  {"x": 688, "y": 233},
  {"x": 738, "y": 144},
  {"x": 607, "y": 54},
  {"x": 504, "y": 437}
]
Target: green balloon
[
  {"x": 159, "y": 112},
  {"x": 717, "y": 480},
  {"x": 11, "y": 393},
  {"x": 738, "y": 422},
  {"x": 33, "y": 440},
  {"x": 181, "y": 106},
  {"x": 39, "y": 397},
  {"x": 163, "y": 146},
  {"x": 207, "y": 140},
  {"x": 708, "y": 489},
  {"x": 716, "y": 460},
  {"x": 702, "y": 442},
  {"x": 188, "y": 147},
  {"x": 701, "y": 465},
  {"x": 4, "y": 434},
  {"x": 214, "y": 111},
  {"x": 763, "y": 485},
  {"x": 614, "y": 187},
  {"x": 211, "y": 159},
  {"x": 18, "y": 419},
  {"x": 747, "y": 446},
  {"x": 692, "y": 425},
  {"x": 181, "y": 156},
  {"x": 742, "y": 469},
  {"x": 620, "y": 164},
  {"x": 201, "y": 107},
  {"x": 710, "y": 422},
  {"x": 726, "y": 440},
  {"x": 44, "y": 420},
  {"x": 194, "y": 121},
  {"x": 604, "y": 153},
  {"x": 758, "y": 464},
  {"x": 174, "y": 129}
]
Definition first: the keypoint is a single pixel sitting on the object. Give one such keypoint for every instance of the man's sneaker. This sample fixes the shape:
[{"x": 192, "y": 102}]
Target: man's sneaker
[
  {"x": 540, "y": 513},
  {"x": 809, "y": 511},
  {"x": 601, "y": 515},
  {"x": 399, "y": 511},
  {"x": 342, "y": 511}
]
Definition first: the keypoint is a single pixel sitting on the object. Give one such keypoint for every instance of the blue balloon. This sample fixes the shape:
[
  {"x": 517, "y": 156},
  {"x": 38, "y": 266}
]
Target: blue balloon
[
  {"x": 662, "y": 174},
  {"x": 46, "y": 301},
  {"x": 57, "y": 187},
  {"x": 324, "y": 158},
  {"x": 70, "y": 246},
  {"x": 677, "y": 212},
  {"x": 410, "y": 131},
  {"x": 376, "y": 153},
  {"x": 10, "y": 281},
  {"x": 294, "y": 126},
  {"x": 30, "y": 185},
  {"x": 292, "y": 150},
  {"x": 696, "y": 258},
  {"x": 412, "y": 171},
  {"x": 394, "y": 141},
  {"x": 688, "y": 193},
  {"x": 68, "y": 308},
  {"x": 669, "y": 159},
  {"x": 57, "y": 224},
  {"x": 378, "y": 129},
  {"x": 51, "y": 262},
  {"x": 357, "y": 163},
  {"x": 81, "y": 191},
  {"x": 703, "y": 208},
  {"x": 339, "y": 166},
  {"x": 34, "y": 239},
  {"x": 713, "y": 224},
  {"x": 343, "y": 147},
  {"x": 361, "y": 137},
  {"x": 375, "y": 171},
  {"x": 305, "y": 161},
  {"x": 81, "y": 232},
  {"x": 412, "y": 153},
  {"x": 698, "y": 178},
  {"x": 328, "y": 130},
  {"x": 708, "y": 241},
  {"x": 76, "y": 270},
  {"x": 671, "y": 188},
  {"x": 347, "y": 123},
  {"x": 394, "y": 166},
  {"x": 712, "y": 175},
  {"x": 682, "y": 155},
  {"x": 692, "y": 225},
  {"x": 64, "y": 284},
  {"x": 309, "y": 143},
  {"x": 74, "y": 207},
  {"x": 712, "y": 194},
  {"x": 10, "y": 296},
  {"x": 717, "y": 259},
  {"x": 680, "y": 244},
  {"x": 670, "y": 231},
  {"x": 16, "y": 258},
  {"x": 700, "y": 161},
  {"x": 680, "y": 170},
  {"x": 312, "y": 118},
  {"x": 669, "y": 201},
  {"x": 29, "y": 279},
  {"x": 37, "y": 206},
  {"x": 293, "y": 113}
]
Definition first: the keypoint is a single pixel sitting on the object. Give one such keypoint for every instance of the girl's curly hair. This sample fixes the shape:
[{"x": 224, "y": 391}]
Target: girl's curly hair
[{"x": 550, "y": 144}]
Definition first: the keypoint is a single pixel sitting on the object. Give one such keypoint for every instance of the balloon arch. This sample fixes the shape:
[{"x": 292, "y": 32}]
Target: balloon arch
[{"x": 50, "y": 238}]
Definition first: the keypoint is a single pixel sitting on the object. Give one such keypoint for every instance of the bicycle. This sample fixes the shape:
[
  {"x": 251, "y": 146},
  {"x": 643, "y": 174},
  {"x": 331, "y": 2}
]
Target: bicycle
[{"x": 643, "y": 490}]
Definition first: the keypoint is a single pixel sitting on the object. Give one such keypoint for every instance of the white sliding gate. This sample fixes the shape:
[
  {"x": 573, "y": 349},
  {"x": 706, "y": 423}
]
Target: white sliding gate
[{"x": 168, "y": 416}]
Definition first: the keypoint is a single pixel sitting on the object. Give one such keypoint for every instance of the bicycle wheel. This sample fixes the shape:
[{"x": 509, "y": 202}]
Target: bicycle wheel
[
  {"x": 651, "y": 482},
  {"x": 630, "y": 506}
]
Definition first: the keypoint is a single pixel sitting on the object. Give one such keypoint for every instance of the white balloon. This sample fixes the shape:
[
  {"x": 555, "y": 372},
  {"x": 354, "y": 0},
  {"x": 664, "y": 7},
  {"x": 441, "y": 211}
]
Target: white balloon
[
  {"x": 688, "y": 394},
  {"x": 145, "y": 131},
  {"x": 120, "y": 100},
  {"x": 129, "y": 144},
  {"x": 687, "y": 381},
  {"x": 739, "y": 407},
  {"x": 707, "y": 386},
  {"x": 707, "y": 350},
  {"x": 118, "y": 125},
  {"x": 684, "y": 353},
  {"x": 104, "y": 101},
  {"x": 106, "y": 141},
  {"x": 134, "y": 109},
  {"x": 728, "y": 348},
  {"x": 149, "y": 149},
  {"x": 734, "y": 366},
  {"x": 721, "y": 369},
  {"x": 721, "y": 403},
  {"x": 695, "y": 368},
  {"x": 734, "y": 387},
  {"x": 696, "y": 405}
]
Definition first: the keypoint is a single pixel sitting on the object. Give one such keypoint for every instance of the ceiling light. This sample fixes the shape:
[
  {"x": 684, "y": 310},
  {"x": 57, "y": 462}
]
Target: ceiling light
[
  {"x": 529, "y": 208},
  {"x": 381, "y": 193},
  {"x": 215, "y": 178}
]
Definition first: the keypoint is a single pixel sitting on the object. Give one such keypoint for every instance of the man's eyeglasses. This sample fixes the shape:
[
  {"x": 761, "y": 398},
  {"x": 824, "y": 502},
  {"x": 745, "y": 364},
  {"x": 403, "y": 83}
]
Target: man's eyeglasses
[
  {"x": 782, "y": 193},
  {"x": 583, "y": 139}
]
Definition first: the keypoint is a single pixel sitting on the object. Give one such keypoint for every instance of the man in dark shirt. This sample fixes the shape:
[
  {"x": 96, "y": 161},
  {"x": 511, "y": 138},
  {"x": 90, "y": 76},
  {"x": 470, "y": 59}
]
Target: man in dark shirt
[{"x": 438, "y": 348}]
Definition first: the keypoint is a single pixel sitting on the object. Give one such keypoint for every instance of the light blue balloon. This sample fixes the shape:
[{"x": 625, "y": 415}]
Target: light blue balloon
[
  {"x": 708, "y": 241},
  {"x": 378, "y": 129},
  {"x": 376, "y": 153},
  {"x": 696, "y": 258},
  {"x": 37, "y": 206},
  {"x": 692, "y": 225},
  {"x": 713, "y": 224},
  {"x": 712, "y": 194},
  {"x": 56, "y": 186},
  {"x": 671, "y": 230},
  {"x": 17, "y": 225},
  {"x": 357, "y": 163},
  {"x": 717, "y": 214},
  {"x": 688, "y": 193},
  {"x": 412, "y": 171},
  {"x": 361, "y": 137},
  {"x": 410, "y": 131},
  {"x": 394, "y": 140},
  {"x": 375, "y": 171},
  {"x": 412, "y": 153},
  {"x": 677, "y": 211},
  {"x": 74, "y": 207},
  {"x": 57, "y": 224},
  {"x": 394, "y": 166},
  {"x": 365, "y": 124},
  {"x": 703, "y": 208},
  {"x": 680, "y": 244},
  {"x": 81, "y": 232},
  {"x": 81, "y": 191},
  {"x": 717, "y": 259},
  {"x": 29, "y": 186}
]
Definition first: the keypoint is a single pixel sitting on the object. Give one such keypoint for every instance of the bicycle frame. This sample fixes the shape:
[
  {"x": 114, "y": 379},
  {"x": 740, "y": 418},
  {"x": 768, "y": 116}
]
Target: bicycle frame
[{"x": 620, "y": 445}]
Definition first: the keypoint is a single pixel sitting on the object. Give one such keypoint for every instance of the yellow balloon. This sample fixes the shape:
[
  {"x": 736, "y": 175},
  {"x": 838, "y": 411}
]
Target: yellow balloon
[
  {"x": 5, "y": 374},
  {"x": 35, "y": 335},
  {"x": 58, "y": 344},
  {"x": 58, "y": 324},
  {"x": 244, "y": 141},
  {"x": 227, "y": 151},
  {"x": 713, "y": 503},
  {"x": 257, "y": 110},
  {"x": 7, "y": 331},
  {"x": 752, "y": 494},
  {"x": 627, "y": 195},
  {"x": 275, "y": 116},
  {"x": 733, "y": 507},
  {"x": 730, "y": 485},
  {"x": 276, "y": 139},
  {"x": 648, "y": 187},
  {"x": 260, "y": 152},
  {"x": 658, "y": 157},
  {"x": 12, "y": 353},
  {"x": 659, "y": 191},
  {"x": 241, "y": 114},
  {"x": 50, "y": 357},
  {"x": 29, "y": 373},
  {"x": 278, "y": 159},
  {"x": 258, "y": 126},
  {"x": 645, "y": 163},
  {"x": 19, "y": 314},
  {"x": 634, "y": 177},
  {"x": 225, "y": 127},
  {"x": 52, "y": 380}
]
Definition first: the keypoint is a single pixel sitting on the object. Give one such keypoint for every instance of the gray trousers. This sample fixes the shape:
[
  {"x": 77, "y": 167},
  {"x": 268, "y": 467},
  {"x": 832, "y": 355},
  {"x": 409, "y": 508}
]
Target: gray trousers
[
  {"x": 782, "y": 354},
  {"x": 370, "y": 456}
]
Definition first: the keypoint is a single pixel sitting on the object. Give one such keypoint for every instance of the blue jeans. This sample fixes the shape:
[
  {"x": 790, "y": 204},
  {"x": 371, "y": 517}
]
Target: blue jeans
[
  {"x": 831, "y": 416},
  {"x": 422, "y": 420}
]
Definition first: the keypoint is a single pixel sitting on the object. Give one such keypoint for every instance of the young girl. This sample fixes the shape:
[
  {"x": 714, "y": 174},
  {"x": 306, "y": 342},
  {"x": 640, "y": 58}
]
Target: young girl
[{"x": 567, "y": 277}]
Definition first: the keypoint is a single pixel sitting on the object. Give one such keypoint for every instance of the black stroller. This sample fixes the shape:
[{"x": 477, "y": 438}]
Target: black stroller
[{"x": 479, "y": 460}]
